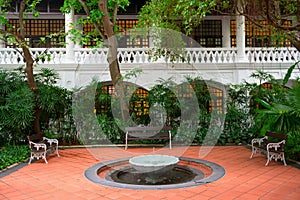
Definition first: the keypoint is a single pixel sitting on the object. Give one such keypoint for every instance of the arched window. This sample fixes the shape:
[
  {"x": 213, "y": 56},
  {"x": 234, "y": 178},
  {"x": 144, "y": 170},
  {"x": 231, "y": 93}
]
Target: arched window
[
  {"x": 106, "y": 90},
  {"x": 209, "y": 97}
]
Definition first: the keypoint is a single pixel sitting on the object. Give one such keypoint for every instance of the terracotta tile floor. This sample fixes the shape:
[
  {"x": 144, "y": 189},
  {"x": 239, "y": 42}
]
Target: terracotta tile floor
[{"x": 63, "y": 178}]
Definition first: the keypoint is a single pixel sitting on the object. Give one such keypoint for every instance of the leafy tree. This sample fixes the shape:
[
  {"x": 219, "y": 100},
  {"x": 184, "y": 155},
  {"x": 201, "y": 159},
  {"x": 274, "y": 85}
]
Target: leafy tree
[
  {"x": 179, "y": 15},
  {"x": 16, "y": 36},
  {"x": 102, "y": 14},
  {"x": 184, "y": 15}
]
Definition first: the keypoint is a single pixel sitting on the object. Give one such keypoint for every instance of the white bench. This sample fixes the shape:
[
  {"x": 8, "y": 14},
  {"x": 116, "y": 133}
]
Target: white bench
[
  {"x": 272, "y": 145},
  {"x": 40, "y": 146}
]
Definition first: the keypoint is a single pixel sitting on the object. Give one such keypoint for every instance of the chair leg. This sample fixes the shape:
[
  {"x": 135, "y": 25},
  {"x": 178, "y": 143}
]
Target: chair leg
[
  {"x": 126, "y": 141},
  {"x": 267, "y": 163},
  {"x": 269, "y": 157},
  {"x": 170, "y": 140},
  {"x": 31, "y": 157},
  {"x": 253, "y": 152},
  {"x": 283, "y": 159},
  {"x": 44, "y": 157},
  {"x": 57, "y": 151}
]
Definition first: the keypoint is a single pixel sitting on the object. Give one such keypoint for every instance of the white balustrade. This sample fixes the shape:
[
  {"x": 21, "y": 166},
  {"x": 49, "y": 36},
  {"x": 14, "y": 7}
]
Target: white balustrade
[
  {"x": 142, "y": 55},
  {"x": 272, "y": 55}
]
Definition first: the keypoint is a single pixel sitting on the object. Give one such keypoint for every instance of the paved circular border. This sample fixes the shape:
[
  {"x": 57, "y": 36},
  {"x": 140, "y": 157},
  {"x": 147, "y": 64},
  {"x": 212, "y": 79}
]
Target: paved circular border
[{"x": 92, "y": 174}]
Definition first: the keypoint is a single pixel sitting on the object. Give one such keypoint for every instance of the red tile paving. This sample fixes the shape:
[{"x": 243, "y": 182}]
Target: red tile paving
[{"x": 63, "y": 178}]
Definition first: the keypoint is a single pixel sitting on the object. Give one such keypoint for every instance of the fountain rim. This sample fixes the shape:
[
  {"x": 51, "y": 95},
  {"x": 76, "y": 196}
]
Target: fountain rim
[
  {"x": 133, "y": 161},
  {"x": 92, "y": 175}
]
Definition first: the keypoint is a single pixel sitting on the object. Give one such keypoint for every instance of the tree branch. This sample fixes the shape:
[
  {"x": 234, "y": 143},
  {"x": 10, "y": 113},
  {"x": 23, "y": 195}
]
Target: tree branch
[
  {"x": 27, "y": 55},
  {"x": 115, "y": 12},
  {"x": 88, "y": 13}
]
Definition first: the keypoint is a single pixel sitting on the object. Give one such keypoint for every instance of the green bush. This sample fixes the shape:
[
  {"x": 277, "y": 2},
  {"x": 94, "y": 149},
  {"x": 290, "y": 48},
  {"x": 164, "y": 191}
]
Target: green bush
[
  {"x": 18, "y": 106},
  {"x": 13, "y": 154},
  {"x": 292, "y": 146}
]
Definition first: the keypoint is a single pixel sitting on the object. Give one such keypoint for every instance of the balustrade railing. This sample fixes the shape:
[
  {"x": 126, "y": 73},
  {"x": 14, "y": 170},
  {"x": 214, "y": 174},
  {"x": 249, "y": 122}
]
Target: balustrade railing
[
  {"x": 143, "y": 55},
  {"x": 40, "y": 55},
  {"x": 272, "y": 55}
]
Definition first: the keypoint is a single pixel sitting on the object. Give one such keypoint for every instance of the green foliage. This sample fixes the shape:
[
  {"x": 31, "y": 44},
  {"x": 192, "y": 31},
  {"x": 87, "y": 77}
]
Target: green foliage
[
  {"x": 175, "y": 15},
  {"x": 281, "y": 113},
  {"x": 94, "y": 17},
  {"x": 18, "y": 104},
  {"x": 289, "y": 73},
  {"x": 13, "y": 154},
  {"x": 163, "y": 95},
  {"x": 110, "y": 130},
  {"x": 167, "y": 21},
  {"x": 239, "y": 125},
  {"x": 292, "y": 146}
]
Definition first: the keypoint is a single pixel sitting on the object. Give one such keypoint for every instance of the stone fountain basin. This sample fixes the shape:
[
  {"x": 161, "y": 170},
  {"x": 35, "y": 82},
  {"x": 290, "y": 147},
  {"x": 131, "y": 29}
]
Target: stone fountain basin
[{"x": 153, "y": 163}]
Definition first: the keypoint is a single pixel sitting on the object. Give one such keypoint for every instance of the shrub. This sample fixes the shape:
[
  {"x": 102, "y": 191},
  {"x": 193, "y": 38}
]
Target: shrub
[{"x": 13, "y": 154}]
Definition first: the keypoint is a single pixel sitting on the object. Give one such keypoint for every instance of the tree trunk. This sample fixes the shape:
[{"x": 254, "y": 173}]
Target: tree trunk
[
  {"x": 32, "y": 85},
  {"x": 29, "y": 68},
  {"x": 112, "y": 59}
]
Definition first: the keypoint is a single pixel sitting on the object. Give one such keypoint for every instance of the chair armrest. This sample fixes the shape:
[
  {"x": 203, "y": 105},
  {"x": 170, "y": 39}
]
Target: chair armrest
[
  {"x": 50, "y": 141},
  {"x": 275, "y": 145},
  {"x": 258, "y": 140},
  {"x": 37, "y": 146}
]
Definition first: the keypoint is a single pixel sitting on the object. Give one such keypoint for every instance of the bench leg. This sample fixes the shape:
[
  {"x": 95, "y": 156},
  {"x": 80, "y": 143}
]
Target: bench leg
[
  {"x": 31, "y": 157},
  {"x": 170, "y": 140},
  {"x": 56, "y": 149},
  {"x": 267, "y": 163},
  {"x": 253, "y": 152},
  {"x": 38, "y": 156},
  {"x": 276, "y": 157},
  {"x": 126, "y": 141},
  {"x": 283, "y": 159},
  {"x": 44, "y": 157}
]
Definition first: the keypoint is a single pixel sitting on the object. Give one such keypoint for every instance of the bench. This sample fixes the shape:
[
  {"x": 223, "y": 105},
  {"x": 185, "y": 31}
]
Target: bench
[
  {"x": 272, "y": 145},
  {"x": 40, "y": 146},
  {"x": 148, "y": 133}
]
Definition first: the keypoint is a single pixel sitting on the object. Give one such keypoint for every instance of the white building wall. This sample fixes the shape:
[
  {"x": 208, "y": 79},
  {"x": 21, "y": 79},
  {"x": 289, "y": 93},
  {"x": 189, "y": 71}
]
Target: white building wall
[{"x": 75, "y": 76}]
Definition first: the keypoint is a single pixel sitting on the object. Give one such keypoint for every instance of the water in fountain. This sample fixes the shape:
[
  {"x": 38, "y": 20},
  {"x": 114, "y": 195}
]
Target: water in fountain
[{"x": 153, "y": 170}]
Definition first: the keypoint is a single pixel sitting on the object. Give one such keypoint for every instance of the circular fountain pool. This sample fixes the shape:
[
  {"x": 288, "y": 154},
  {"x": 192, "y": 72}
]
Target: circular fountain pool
[{"x": 184, "y": 172}]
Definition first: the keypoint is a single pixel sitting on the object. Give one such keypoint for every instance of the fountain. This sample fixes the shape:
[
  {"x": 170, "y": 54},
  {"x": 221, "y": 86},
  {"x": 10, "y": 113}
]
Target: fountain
[
  {"x": 154, "y": 172},
  {"x": 154, "y": 168}
]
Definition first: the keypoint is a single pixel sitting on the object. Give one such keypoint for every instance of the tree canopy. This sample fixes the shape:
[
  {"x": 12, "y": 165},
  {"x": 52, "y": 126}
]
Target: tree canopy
[
  {"x": 179, "y": 15},
  {"x": 101, "y": 14},
  {"x": 184, "y": 15}
]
